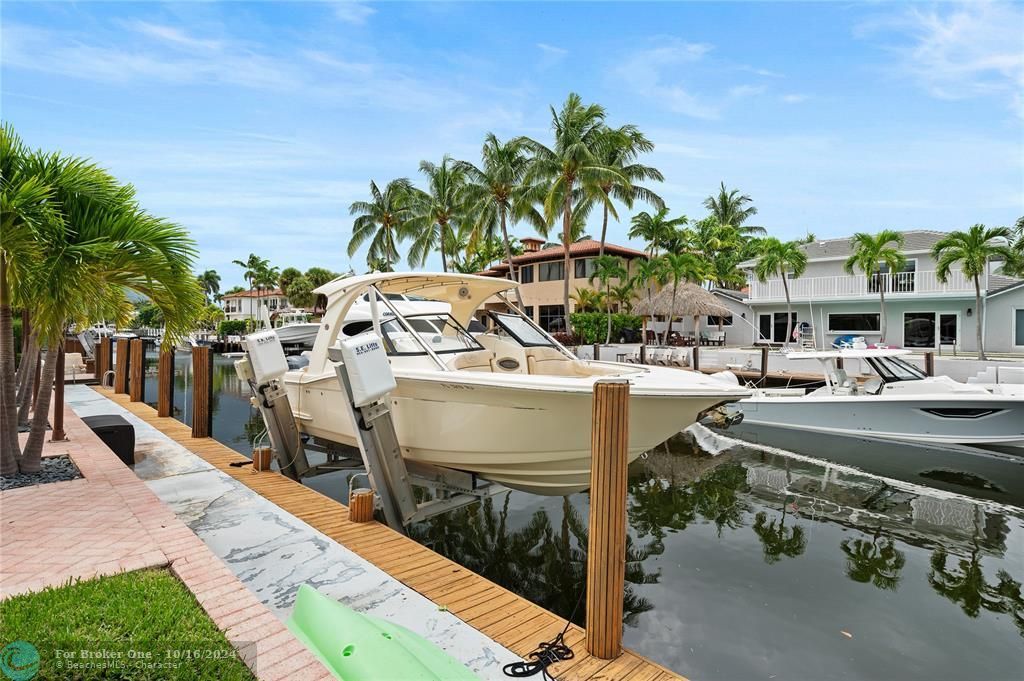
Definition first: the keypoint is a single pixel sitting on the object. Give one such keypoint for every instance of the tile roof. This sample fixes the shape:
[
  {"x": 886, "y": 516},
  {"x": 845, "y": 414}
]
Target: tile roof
[
  {"x": 586, "y": 247},
  {"x": 264, "y": 293},
  {"x": 997, "y": 283}
]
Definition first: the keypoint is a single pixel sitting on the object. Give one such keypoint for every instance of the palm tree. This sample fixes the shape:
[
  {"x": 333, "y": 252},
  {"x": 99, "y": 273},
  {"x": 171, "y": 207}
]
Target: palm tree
[
  {"x": 573, "y": 170},
  {"x": 606, "y": 268},
  {"x": 682, "y": 267},
  {"x": 210, "y": 283},
  {"x": 649, "y": 275},
  {"x": 777, "y": 540},
  {"x": 437, "y": 211},
  {"x": 497, "y": 192},
  {"x": 620, "y": 148},
  {"x": 731, "y": 208},
  {"x": 622, "y": 295},
  {"x": 972, "y": 249},
  {"x": 655, "y": 229},
  {"x": 870, "y": 253},
  {"x": 287, "y": 276},
  {"x": 252, "y": 266},
  {"x": 382, "y": 222},
  {"x": 90, "y": 243},
  {"x": 780, "y": 259},
  {"x": 588, "y": 300},
  {"x": 871, "y": 562},
  {"x": 1014, "y": 265}
]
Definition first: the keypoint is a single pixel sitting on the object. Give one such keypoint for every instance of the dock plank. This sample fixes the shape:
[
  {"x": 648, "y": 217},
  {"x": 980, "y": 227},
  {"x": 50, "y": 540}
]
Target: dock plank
[{"x": 504, "y": 616}]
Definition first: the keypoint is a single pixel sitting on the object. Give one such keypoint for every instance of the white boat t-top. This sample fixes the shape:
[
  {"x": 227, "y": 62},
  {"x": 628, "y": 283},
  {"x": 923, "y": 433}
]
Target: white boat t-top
[
  {"x": 508, "y": 403},
  {"x": 897, "y": 401}
]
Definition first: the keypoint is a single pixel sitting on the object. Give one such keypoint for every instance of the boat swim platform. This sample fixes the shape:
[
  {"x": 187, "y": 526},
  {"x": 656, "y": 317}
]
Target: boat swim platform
[{"x": 505, "y": 617}]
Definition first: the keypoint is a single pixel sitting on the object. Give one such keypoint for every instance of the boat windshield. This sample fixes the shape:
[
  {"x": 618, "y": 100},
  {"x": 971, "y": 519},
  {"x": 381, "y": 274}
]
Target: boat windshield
[
  {"x": 521, "y": 330},
  {"x": 438, "y": 331},
  {"x": 892, "y": 369}
]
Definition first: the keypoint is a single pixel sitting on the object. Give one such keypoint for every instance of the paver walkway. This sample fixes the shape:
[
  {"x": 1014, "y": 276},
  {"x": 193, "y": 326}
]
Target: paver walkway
[{"x": 109, "y": 522}]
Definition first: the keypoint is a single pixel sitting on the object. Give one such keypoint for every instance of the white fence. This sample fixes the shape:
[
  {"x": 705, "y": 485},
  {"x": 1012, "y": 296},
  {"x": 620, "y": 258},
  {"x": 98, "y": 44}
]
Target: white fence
[{"x": 857, "y": 286}]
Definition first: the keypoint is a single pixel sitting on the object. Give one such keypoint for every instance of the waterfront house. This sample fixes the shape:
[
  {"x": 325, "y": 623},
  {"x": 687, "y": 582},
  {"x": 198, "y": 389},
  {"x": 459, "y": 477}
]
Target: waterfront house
[
  {"x": 541, "y": 273},
  {"x": 246, "y": 304},
  {"x": 921, "y": 311}
]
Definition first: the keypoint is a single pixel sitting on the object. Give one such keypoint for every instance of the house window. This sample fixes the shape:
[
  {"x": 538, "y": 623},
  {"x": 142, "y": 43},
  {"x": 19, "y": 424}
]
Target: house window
[
  {"x": 719, "y": 321},
  {"x": 919, "y": 329},
  {"x": 552, "y": 317},
  {"x": 526, "y": 274},
  {"x": 551, "y": 271},
  {"x": 898, "y": 282},
  {"x": 584, "y": 268},
  {"x": 860, "y": 321},
  {"x": 528, "y": 311}
]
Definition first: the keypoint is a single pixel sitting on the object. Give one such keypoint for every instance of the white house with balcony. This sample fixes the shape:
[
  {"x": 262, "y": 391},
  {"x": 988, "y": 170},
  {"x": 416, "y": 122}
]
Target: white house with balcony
[
  {"x": 247, "y": 304},
  {"x": 921, "y": 311}
]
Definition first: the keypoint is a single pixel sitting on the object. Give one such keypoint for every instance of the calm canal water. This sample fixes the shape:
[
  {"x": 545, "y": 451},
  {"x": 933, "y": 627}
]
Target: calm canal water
[{"x": 750, "y": 564}]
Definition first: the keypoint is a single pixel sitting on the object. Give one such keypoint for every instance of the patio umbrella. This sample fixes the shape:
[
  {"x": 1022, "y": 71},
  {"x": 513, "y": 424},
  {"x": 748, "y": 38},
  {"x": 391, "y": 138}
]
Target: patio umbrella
[{"x": 691, "y": 301}]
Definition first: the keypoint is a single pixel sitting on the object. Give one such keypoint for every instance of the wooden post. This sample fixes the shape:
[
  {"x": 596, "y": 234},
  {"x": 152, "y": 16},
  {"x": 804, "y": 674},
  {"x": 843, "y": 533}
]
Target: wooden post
[
  {"x": 102, "y": 358},
  {"x": 929, "y": 363},
  {"x": 123, "y": 352},
  {"x": 643, "y": 350},
  {"x": 360, "y": 505},
  {"x": 165, "y": 383},
  {"x": 58, "y": 435},
  {"x": 696, "y": 358},
  {"x": 202, "y": 395},
  {"x": 606, "y": 553},
  {"x": 764, "y": 362},
  {"x": 137, "y": 371},
  {"x": 839, "y": 363},
  {"x": 597, "y": 354}
]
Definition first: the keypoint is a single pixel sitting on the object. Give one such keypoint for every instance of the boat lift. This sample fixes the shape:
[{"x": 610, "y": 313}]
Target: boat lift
[{"x": 365, "y": 376}]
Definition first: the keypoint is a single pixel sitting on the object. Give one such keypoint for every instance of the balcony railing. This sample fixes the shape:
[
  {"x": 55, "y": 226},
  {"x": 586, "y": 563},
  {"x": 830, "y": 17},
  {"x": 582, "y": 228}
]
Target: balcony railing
[{"x": 857, "y": 285}]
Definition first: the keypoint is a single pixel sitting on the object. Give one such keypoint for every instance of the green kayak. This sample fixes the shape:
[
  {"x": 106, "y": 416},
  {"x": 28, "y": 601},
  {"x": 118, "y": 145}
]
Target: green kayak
[{"x": 363, "y": 648}]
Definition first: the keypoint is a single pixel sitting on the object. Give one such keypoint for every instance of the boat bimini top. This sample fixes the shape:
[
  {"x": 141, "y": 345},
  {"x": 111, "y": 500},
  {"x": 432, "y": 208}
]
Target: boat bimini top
[{"x": 465, "y": 293}]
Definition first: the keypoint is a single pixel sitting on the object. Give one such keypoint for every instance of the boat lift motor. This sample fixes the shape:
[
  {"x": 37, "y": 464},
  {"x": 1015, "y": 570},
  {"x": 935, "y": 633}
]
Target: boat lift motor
[
  {"x": 365, "y": 375},
  {"x": 262, "y": 368}
]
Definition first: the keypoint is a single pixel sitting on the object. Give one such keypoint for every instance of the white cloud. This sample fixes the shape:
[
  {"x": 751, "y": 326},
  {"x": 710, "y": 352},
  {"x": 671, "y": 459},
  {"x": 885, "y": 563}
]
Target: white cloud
[
  {"x": 552, "y": 50},
  {"x": 173, "y": 35},
  {"x": 353, "y": 12},
  {"x": 974, "y": 49},
  {"x": 794, "y": 98}
]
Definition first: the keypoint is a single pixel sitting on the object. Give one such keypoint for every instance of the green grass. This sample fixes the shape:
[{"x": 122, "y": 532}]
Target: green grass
[{"x": 147, "y": 622}]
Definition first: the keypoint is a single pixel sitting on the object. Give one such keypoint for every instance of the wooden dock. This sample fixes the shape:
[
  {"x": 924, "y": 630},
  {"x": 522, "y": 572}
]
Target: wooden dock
[{"x": 505, "y": 617}]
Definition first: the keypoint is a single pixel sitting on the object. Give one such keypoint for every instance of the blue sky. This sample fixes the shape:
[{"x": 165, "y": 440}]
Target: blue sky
[{"x": 256, "y": 125}]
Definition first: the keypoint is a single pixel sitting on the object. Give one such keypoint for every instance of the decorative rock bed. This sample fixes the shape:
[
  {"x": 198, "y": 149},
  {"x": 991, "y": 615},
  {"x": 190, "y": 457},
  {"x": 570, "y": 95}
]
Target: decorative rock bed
[{"x": 54, "y": 469}]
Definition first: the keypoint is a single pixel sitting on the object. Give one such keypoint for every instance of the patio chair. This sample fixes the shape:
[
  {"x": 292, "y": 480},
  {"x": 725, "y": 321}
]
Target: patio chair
[{"x": 74, "y": 363}]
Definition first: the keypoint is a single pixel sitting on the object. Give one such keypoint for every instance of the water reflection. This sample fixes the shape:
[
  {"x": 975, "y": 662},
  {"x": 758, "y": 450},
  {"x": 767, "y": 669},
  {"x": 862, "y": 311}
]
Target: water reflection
[
  {"x": 877, "y": 561},
  {"x": 963, "y": 582}
]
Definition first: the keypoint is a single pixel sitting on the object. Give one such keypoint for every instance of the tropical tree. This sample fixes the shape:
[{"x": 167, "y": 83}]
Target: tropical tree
[
  {"x": 588, "y": 300},
  {"x": 656, "y": 230},
  {"x": 679, "y": 268},
  {"x": 496, "y": 192},
  {"x": 318, "y": 276},
  {"x": 382, "y": 221},
  {"x": 437, "y": 211},
  {"x": 73, "y": 242},
  {"x": 209, "y": 281},
  {"x": 730, "y": 207},
  {"x": 872, "y": 252},
  {"x": 287, "y": 276},
  {"x": 780, "y": 259},
  {"x": 972, "y": 250},
  {"x": 622, "y": 295},
  {"x": 300, "y": 292},
  {"x": 253, "y": 266},
  {"x": 619, "y": 149},
  {"x": 650, "y": 274},
  {"x": 1013, "y": 266},
  {"x": 607, "y": 268},
  {"x": 572, "y": 170}
]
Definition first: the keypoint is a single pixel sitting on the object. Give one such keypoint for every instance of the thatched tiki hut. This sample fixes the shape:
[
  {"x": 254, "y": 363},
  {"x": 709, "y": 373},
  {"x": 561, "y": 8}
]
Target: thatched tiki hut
[{"x": 686, "y": 300}]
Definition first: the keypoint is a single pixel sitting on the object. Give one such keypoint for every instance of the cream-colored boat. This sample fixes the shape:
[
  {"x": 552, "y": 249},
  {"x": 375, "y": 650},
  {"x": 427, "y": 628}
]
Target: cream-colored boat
[{"x": 509, "y": 404}]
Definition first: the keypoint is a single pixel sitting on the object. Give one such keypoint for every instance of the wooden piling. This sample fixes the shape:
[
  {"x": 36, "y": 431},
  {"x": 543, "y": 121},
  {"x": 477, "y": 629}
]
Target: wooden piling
[
  {"x": 696, "y": 358},
  {"x": 261, "y": 458},
  {"x": 202, "y": 395},
  {"x": 165, "y": 383},
  {"x": 929, "y": 363},
  {"x": 643, "y": 351},
  {"x": 360, "y": 505},
  {"x": 764, "y": 362},
  {"x": 137, "y": 371},
  {"x": 122, "y": 353},
  {"x": 103, "y": 353},
  {"x": 57, "y": 434},
  {"x": 597, "y": 352},
  {"x": 606, "y": 553},
  {"x": 839, "y": 363}
]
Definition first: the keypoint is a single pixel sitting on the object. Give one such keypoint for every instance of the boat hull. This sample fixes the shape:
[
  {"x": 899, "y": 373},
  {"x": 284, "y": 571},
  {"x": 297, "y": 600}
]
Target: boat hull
[
  {"x": 534, "y": 440},
  {"x": 298, "y": 334},
  {"x": 911, "y": 418}
]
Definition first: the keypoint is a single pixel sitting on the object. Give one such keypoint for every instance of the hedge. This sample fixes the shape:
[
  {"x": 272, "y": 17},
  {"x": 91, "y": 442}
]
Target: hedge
[
  {"x": 592, "y": 327},
  {"x": 231, "y": 327}
]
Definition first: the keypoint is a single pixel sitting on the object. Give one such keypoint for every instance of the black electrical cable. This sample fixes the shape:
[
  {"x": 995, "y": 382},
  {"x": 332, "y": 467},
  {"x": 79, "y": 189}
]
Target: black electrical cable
[{"x": 546, "y": 654}]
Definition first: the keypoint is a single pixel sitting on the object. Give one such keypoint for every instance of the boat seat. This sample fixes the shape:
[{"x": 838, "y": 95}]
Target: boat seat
[
  {"x": 873, "y": 385},
  {"x": 551, "y": 362},
  {"x": 478, "y": 360}
]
